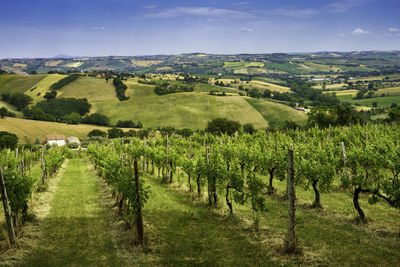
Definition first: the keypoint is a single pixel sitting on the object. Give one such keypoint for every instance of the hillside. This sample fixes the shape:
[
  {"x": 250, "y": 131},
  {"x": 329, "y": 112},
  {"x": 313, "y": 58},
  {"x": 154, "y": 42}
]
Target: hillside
[
  {"x": 180, "y": 110},
  {"x": 28, "y": 130}
]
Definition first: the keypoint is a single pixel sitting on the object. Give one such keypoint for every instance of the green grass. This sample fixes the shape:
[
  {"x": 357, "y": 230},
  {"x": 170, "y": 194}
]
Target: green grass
[
  {"x": 43, "y": 86},
  {"x": 183, "y": 233},
  {"x": 238, "y": 109},
  {"x": 75, "y": 233},
  {"x": 180, "y": 110},
  {"x": 382, "y": 101},
  {"x": 276, "y": 114},
  {"x": 18, "y": 83},
  {"x": 94, "y": 89},
  {"x": 325, "y": 236},
  {"x": 205, "y": 87}
]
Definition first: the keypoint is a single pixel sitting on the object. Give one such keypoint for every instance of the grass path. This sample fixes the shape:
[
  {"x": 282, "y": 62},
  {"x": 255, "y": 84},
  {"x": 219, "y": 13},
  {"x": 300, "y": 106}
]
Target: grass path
[
  {"x": 183, "y": 233},
  {"x": 76, "y": 230}
]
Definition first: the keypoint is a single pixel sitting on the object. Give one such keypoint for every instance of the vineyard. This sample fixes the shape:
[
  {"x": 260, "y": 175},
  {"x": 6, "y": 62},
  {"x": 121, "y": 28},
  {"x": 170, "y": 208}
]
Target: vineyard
[{"x": 297, "y": 197}]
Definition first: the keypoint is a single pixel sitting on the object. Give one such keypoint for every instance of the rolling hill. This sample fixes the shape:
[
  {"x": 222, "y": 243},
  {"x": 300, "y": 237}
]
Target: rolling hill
[{"x": 181, "y": 110}]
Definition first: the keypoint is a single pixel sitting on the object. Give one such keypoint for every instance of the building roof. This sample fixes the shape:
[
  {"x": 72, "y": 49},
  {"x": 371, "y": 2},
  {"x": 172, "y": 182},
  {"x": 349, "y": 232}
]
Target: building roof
[{"x": 55, "y": 137}]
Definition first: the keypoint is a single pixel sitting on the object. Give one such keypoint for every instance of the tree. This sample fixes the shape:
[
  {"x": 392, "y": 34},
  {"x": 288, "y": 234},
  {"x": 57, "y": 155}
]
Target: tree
[
  {"x": 20, "y": 100},
  {"x": 73, "y": 118},
  {"x": 3, "y": 112},
  {"x": 50, "y": 95},
  {"x": 394, "y": 114},
  {"x": 8, "y": 140},
  {"x": 375, "y": 104},
  {"x": 126, "y": 124},
  {"x": 115, "y": 133},
  {"x": 96, "y": 119},
  {"x": 254, "y": 93},
  {"x": 222, "y": 126},
  {"x": 249, "y": 128},
  {"x": 97, "y": 132}
]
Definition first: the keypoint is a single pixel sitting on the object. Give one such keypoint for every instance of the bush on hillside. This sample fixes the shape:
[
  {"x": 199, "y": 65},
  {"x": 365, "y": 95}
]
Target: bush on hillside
[{"x": 96, "y": 119}]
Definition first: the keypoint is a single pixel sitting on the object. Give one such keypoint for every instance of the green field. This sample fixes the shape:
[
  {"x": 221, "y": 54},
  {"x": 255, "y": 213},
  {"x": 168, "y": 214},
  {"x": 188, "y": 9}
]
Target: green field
[
  {"x": 18, "y": 83},
  {"x": 94, "y": 89},
  {"x": 28, "y": 130},
  {"x": 276, "y": 113},
  {"x": 40, "y": 89},
  {"x": 237, "y": 108}
]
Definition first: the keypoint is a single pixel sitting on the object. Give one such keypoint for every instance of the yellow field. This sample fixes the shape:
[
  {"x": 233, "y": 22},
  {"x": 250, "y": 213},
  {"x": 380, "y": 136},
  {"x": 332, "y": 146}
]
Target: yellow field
[
  {"x": 145, "y": 63},
  {"x": 269, "y": 86},
  {"x": 53, "y": 63},
  {"x": 43, "y": 86},
  {"x": 391, "y": 91},
  {"x": 330, "y": 86},
  {"x": 28, "y": 130},
  {"x": 342, "y": 92},
  {"x": 19, "y": 65},
  {"x": 238, "y": 109},
  {"x": 73, "y": 64}
]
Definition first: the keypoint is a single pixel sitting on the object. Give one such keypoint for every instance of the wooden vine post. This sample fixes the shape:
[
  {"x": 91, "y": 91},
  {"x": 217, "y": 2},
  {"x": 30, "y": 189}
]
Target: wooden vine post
[
  {"x": 7, "y": 210},
  {"x": 209, "y": 187},
  {"x": 291, "y": 240},
  {"x": 345, "y": 159},
  {"x": 167, "y": 161},
  {"x": 44, "y": 174},
  {"x": 144, "y": 155},
  {"x": 139, "y": 217}
]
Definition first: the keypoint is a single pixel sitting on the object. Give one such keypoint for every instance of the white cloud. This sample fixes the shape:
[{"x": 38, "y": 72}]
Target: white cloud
[
  {"x": 341, "y": 6},
  {"x": 150, "y": 6},
  {"x": 98, "y": 28},
  {"x": 295, "y": 12},
  {"x": 360, "y": 31},
  {"x": 395, "y": 30},
  {"x": 199, "y": 11},
  {"x": 247, "y": 30}
]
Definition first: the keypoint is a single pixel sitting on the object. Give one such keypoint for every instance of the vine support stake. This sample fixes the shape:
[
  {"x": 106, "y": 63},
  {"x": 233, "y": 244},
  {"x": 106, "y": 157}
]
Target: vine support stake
[
  {"x": 291, "y": 241},
  {"x": 139, "y": 217},
  {"x": 44, "y": 174},
  {"x": 7, "y": 211}
]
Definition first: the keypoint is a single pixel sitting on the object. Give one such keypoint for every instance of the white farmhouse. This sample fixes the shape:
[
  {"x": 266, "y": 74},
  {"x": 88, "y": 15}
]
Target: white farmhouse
[{"x": 55, "y": 139}]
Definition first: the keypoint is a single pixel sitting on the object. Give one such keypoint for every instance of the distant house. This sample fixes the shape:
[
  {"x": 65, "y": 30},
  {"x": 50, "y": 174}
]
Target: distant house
[
  {"x": 55, "y": 139},
  {"x": 319, "y": 79},
  {"x": 301, "y": 108}
]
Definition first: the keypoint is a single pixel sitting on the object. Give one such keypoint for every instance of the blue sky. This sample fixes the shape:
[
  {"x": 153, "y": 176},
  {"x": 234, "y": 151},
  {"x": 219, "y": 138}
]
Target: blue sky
[{"x": 45, "y": 28}]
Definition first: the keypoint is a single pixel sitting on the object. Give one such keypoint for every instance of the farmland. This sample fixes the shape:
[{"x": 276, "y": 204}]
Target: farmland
[{"x": 28, "y": 130}]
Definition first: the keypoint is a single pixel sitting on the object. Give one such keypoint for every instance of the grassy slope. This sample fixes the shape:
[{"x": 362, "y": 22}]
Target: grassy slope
[
  {"x": 18, "y": 83},
  {"x": 28, "y": 130},
  {"x": 181, "y": 110},
  {"x": 94, "y": 89},
  {"x": 43, "y": 86},
  {"x": 276, "y": 113},
  {"x": 237, "y": 108},
  {"x": 75, "y": 231}
]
